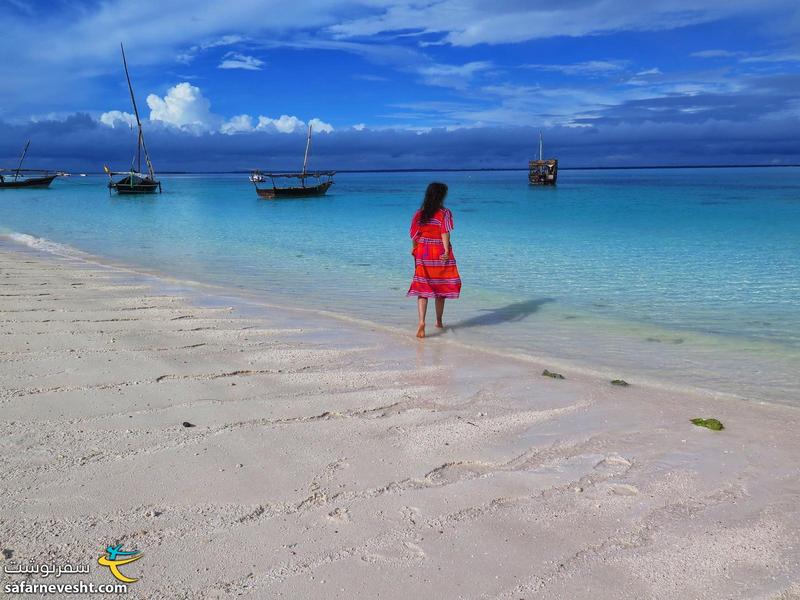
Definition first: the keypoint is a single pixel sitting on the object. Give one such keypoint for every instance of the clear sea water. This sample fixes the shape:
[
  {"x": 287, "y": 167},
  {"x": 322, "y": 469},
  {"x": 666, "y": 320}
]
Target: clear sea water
[{"x": 688, "y": 276}]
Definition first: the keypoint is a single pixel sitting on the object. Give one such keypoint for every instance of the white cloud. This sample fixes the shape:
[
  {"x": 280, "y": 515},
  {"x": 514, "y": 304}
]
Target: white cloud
[
  {"x": 745, "y": 57},
  {"x": 235, "y": 60},
  {"x": 320, "y": 126},
  {"x": 237, "y": 124},
  {"x": 454, "y": 76},
  {"x": 714, "y": 54},
  {"x": 369, "y": 77},
  {"x": 653, "y": 71},
  {"x": 469, "y": 23},
  {"x": 225, "y": 40},
  {"x": 183, "y": 106},
  {"x": 360, "y": 126},
  {"x": 113, "y": 118},
  {"x": 590, "y": 67},
  {"x": 283, "y": 124},
  {"x": 770, "y": 58}
]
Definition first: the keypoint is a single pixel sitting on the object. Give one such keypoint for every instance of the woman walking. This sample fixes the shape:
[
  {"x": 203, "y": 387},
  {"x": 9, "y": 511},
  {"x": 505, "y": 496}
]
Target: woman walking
[{"x": 435, "y": 271}]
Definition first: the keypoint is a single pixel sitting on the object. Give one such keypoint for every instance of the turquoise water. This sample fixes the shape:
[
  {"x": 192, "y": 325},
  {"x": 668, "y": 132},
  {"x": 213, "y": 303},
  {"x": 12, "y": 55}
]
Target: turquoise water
[{"x": 689, "y": 275}]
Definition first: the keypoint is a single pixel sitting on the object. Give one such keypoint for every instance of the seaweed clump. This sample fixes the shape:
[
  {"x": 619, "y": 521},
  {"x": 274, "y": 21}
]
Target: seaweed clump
[
  {"x": 552, "y": 374},
  {"x": 712, "y": 424},
  {"x": 620, "y": 382}
]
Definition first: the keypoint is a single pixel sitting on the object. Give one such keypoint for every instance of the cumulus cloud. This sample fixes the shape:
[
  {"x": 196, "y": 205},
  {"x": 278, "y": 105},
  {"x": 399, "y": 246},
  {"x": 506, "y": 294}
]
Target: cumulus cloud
[
  {"x": 237, "y": 124},
  {"x": 235, "y": 60},
  {"x": 115, "y": 118},
  {"x": 283, "y": 124},
  {"x": 183, "y": 106},
  {"x": 320, "y": 125}
]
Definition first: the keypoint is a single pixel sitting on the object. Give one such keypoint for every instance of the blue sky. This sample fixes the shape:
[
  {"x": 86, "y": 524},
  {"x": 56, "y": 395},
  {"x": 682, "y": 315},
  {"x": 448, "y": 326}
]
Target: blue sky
[{"x": 443, "y": 83}]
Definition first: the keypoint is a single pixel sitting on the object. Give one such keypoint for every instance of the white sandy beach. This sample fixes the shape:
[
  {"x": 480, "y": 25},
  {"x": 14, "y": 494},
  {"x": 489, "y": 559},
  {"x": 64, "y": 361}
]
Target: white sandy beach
[{"x": 331, "y": 460}]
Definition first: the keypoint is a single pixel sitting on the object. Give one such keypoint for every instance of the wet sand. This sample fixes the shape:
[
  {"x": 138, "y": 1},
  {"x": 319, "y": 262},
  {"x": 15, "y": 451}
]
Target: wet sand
[{"x": 332, "y": 460}]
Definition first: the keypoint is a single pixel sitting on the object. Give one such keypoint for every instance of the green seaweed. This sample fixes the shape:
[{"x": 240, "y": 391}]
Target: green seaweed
[
  {"x": 712, "y": 424},
  {"x": 620, "y": 382},
  {"x": 552, "y": 374}
]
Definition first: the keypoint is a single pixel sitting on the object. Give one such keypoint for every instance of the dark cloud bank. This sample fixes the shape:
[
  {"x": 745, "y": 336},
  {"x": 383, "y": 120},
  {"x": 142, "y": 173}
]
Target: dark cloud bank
[{"x": 80, "y": 143}]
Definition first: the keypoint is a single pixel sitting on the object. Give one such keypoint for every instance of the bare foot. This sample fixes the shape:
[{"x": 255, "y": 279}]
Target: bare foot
[
  {"x": 421, "y": 330},
  {"x": 439, "y": 324}
]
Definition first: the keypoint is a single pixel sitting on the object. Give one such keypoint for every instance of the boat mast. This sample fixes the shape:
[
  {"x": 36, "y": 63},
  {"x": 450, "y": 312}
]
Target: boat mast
[
  {"x": 21, "y": 158},
  {"x": 305, "y": 158},
  {"x": 141, "y": 146},
  {"x": 541, "y": 146}
]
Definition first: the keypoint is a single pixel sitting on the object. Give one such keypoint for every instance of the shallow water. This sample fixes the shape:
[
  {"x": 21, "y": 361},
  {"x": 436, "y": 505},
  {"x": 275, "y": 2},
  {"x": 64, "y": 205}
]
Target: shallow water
[{"x": 689, "y": 276}]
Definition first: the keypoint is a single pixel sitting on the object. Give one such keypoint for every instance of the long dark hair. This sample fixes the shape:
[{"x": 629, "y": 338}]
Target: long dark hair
[{"x": 434, "y": 201}]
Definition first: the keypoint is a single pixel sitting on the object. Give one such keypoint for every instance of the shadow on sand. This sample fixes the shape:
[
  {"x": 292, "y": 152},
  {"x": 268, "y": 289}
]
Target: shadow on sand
[{"x": 505, "y": 314}]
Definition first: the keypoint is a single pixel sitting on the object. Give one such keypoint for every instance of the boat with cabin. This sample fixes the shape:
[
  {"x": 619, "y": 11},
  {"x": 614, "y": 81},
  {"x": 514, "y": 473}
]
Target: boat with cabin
[{"x": 543, "y": 171}]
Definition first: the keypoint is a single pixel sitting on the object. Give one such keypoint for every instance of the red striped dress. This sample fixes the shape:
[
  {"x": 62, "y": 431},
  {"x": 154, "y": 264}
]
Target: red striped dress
[{"x": 433, "y": 277}]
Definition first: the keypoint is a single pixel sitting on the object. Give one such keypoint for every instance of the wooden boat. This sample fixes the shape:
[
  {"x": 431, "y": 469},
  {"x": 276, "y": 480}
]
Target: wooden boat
[
  {"x": 27, "y": 182},
  {"x": 298, "y": 191},
  {"x": 542, "y": 171},
  {"x": 25, "y": 178},
  {"x": 134, "y": 181},
  {"x": 321, "y": 181}
]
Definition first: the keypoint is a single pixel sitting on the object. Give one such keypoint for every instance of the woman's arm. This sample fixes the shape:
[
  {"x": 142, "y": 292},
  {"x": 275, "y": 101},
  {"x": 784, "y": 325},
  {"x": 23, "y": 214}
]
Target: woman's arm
[
  {"x": 414, "y": 232},
  {"x": 446, "y": 241}
]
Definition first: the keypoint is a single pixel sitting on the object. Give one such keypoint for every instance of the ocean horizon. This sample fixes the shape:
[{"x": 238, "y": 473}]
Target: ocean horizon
[{"x": 456, "y": 169}]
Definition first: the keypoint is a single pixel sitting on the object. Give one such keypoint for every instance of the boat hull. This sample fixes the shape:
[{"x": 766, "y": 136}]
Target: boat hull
[
  {"x": 294, "y": 192},
  {"x": 31, "y": 182},
  {"x": 135, "y": 185}
]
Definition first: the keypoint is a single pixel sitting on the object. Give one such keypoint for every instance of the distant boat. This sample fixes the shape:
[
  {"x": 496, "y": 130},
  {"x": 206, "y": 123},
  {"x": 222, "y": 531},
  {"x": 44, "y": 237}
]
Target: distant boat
[
  {"x": 322, "y": 180},
  {"x": 25, "y": 178},
  {"x": 542, "y": 171},
  {"x": 134, "y": 181}
]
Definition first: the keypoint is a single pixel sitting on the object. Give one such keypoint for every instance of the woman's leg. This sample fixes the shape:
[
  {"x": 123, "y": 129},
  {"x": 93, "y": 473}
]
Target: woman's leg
[
  {"x": 439, "y": 312},
  {"x": 422, "y": 307}
]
